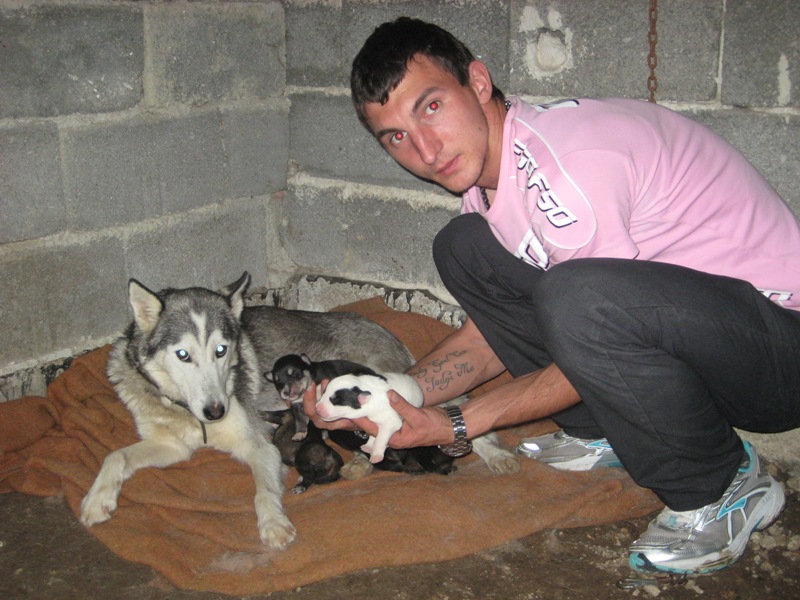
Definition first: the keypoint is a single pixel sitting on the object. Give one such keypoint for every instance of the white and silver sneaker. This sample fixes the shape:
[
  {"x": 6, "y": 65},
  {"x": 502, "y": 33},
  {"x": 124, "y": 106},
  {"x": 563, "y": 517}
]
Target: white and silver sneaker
[
  {"x": 713, "y": 536},
  {"x": 568, "y": 453}
]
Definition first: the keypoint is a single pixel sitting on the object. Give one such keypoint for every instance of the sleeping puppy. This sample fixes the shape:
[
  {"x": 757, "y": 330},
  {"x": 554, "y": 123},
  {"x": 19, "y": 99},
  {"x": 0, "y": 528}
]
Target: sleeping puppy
[
  {"x": 315, "y": 461},
  {"x": 354, "y": 396}
]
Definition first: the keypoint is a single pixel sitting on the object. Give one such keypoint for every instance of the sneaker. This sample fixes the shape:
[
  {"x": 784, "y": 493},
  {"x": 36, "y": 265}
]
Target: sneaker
[
  {"x": 569, "y": 453},
  {"x": 713, "y": 536}
]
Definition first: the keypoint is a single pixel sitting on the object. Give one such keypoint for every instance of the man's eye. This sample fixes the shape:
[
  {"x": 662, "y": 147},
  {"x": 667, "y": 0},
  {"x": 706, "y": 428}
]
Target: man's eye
[
  {"x": 397, "y": 137},
  {"x": 432, "y": 108}
]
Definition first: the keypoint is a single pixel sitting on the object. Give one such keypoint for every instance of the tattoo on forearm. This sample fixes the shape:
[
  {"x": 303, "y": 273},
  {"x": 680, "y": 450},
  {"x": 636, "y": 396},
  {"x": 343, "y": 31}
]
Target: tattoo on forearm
[{"x": 438, "y": 374}]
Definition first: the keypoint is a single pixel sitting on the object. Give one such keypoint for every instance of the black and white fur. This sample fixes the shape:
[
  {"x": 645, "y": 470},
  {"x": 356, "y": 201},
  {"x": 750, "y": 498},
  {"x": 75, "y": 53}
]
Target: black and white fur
[
  {"x": 293, "y": 373},
  {"x": 355, "y": 396},
  {"x": 189, "y": 368}
]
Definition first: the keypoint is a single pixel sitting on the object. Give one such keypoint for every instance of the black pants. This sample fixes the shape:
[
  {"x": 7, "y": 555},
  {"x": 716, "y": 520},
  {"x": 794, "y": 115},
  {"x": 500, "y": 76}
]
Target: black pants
[{"x": 667, "y": 360}]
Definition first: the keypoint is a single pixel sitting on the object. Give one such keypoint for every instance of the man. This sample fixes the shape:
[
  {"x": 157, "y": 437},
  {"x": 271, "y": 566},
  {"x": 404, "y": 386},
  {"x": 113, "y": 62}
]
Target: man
[{"x": 631, "y": 269}]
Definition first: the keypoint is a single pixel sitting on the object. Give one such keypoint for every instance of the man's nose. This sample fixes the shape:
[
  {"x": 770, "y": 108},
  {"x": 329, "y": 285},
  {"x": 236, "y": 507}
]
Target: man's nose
[{"x": 428, "y": 146}]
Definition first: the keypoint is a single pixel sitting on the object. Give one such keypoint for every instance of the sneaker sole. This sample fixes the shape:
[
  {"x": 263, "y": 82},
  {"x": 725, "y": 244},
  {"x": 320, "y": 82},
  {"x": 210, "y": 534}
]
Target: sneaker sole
[{"x": 764, "y": 515}]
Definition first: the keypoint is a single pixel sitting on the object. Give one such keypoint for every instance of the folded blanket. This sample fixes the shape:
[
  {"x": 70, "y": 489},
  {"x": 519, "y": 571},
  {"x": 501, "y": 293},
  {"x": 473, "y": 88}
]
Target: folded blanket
[{"x": 194, "y": 522}]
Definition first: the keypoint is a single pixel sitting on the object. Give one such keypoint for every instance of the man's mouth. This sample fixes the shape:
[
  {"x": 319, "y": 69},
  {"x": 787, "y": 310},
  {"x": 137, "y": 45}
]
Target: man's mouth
[{"x": 448, "y": 168}]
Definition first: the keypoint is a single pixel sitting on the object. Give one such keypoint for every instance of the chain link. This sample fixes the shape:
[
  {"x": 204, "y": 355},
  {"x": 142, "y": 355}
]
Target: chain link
[{"x": 652, "y": 58}]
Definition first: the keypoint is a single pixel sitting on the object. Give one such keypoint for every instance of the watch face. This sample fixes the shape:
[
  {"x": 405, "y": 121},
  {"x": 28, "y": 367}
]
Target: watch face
[{"x": 457, "y": 450}]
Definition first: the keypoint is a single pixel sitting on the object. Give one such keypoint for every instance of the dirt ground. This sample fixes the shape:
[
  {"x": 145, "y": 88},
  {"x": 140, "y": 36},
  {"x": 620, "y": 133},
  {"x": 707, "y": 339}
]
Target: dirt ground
[{"x": 46, "y": 554}]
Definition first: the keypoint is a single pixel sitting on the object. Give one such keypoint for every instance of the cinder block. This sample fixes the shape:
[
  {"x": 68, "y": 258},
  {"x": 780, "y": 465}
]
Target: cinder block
[
  {"x": 364, "y": 235},
  {"x": 59, "y": 299},
  {"x": 119, "y": 173},
  {"x": 257, "y": 144},
  {"x": 314, "y": 54},
  {"x": 327, "y": 140},
  {"x": 31, "y": 193},
  {"x": 768, "y": 141},
  {"x": 761, "y": 53},
  {"x": 219, "y": 52},
  {"x": 60, "y": 60},
  {"x": 210, "y": 248},
  {"x": 600, "y": 48}
]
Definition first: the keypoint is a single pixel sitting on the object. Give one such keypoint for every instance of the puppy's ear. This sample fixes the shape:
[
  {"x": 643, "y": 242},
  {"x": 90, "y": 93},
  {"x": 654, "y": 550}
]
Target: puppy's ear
[
  {"x": 146, "y": 306},
  {"x": 268, "y": 376},
  {"x": 305, "y": 359},
  {"x": 364, "y": 397}
]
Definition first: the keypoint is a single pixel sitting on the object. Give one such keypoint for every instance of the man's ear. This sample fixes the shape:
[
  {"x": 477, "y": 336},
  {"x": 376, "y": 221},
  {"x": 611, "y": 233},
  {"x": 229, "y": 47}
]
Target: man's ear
[{"x": 480, "y": 80}]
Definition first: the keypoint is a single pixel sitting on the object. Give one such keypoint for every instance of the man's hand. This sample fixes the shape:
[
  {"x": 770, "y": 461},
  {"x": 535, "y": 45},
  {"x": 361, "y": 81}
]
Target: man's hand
[{"x": 427, "y": 426}]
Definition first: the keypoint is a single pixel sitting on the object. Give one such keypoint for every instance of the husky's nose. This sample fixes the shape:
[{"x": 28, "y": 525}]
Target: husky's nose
[{"x": 214, "y": 412}]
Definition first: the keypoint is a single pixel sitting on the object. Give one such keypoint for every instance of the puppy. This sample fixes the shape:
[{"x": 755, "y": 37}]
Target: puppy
[
  {"x": 354, "y": 396},
  {"x": 293, "y": 373},
  {"x": 316, "y": 462}
]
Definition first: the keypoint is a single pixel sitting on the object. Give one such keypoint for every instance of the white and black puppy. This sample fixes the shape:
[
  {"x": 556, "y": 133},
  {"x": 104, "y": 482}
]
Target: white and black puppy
[{"x": 355, "y": 396}]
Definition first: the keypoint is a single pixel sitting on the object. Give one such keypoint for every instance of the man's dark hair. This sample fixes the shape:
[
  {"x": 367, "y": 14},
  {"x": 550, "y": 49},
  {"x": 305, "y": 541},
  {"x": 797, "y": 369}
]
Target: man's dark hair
[{"x": 382, "y": 61}]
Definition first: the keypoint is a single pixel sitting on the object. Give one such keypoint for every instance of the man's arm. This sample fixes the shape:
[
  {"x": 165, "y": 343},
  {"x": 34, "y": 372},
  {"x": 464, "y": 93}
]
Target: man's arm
[
  {"x": 459, "y": 363},
  {"x": 526, "y": 398}
]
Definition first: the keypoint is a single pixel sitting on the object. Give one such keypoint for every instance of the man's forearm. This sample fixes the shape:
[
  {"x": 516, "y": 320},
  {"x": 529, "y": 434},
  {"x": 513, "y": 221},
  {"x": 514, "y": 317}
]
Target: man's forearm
[
  {"x": 461, "y": 362},
  {"x": 526, "y": 398}
]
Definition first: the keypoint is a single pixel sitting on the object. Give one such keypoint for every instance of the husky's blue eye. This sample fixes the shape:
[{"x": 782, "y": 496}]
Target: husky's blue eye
[
  {"x": 183, "y": 355},
  {"x": 221, "y": 350}
]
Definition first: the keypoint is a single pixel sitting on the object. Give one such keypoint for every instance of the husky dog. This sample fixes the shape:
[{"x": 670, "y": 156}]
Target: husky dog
[{"x": 189, "y": 369}]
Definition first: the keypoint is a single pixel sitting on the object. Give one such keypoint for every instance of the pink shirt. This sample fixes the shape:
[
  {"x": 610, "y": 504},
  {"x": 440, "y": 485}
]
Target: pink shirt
[{"x": 630, "y": 179}]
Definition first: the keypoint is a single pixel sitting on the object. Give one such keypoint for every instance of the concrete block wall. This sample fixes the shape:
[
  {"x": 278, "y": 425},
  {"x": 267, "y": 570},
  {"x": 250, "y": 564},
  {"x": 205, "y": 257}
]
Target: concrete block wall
[
  {"x": 137, "y": 139},
  {"x": 184, "y": 142}
]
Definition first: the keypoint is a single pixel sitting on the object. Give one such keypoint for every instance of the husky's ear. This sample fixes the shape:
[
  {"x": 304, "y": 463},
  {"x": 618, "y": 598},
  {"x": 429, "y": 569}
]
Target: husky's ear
[
  {"x": 146, "y": 306},
  {"x": 235, "y": 293}
]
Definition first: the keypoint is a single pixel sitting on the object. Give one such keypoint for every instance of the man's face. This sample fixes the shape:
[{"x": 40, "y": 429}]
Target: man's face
[{"x": 433, "y": 126}]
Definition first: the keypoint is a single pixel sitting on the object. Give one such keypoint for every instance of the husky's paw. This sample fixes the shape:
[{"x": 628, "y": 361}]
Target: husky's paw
[
  {"x": 357, "y": 468},
  {"x": 499, "y": 461},
  {"x": 98, "y": 505},
  {"x": 502, "y": 462},
  {"x": 277, "y": 532}
]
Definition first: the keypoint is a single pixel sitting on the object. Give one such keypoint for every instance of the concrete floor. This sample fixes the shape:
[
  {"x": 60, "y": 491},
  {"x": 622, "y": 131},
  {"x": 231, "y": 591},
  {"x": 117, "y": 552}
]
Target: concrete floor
[{"x": 46, "y": 554}]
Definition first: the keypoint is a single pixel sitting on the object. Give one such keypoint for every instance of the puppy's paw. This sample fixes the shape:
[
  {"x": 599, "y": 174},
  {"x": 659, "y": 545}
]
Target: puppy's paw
[
  {"x": 277, "y": 532},
  {"x": 299, "y": 436},
  {"x": 357, "y": 468},
  {"x": 375, "y": 457}
]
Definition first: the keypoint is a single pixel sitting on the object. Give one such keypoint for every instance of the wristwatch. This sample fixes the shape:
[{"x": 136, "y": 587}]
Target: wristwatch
[{"x": 461, "y": 446}]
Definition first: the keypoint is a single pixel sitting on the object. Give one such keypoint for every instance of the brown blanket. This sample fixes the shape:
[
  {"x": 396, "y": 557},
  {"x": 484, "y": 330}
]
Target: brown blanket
[{"x": 195, "y": 522}]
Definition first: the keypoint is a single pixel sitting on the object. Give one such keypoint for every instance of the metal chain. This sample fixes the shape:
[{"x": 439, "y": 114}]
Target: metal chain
[{"x": 652, "y": 58}]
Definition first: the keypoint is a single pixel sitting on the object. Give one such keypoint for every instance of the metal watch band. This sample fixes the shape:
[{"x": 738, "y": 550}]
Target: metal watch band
[{"x": 461, "y": 446}]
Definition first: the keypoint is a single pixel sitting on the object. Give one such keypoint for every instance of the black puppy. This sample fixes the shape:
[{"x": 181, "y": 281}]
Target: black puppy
[{"x": 315, "y": 461}]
